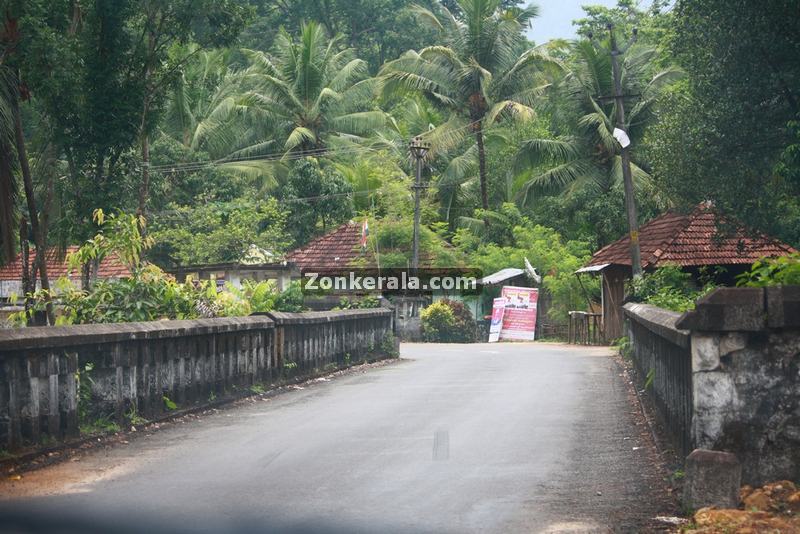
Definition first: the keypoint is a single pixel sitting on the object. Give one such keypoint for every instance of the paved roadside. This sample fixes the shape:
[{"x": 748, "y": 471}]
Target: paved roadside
[{"x": 528, "y": 437}]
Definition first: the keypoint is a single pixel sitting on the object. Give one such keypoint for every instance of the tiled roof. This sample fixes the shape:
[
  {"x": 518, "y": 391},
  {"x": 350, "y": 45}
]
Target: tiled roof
[
  {"x": 110, "y": 267},
  {"x": 340, "y": 248},
  {"x": 691, "y": 240}
]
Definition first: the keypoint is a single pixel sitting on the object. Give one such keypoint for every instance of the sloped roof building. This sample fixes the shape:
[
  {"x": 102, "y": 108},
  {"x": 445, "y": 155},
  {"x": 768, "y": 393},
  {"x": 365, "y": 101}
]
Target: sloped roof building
[
  {"x": 11, "y": 273},
  {"x": 692, "y": 241},
  {"x": 341, "y": 248}
]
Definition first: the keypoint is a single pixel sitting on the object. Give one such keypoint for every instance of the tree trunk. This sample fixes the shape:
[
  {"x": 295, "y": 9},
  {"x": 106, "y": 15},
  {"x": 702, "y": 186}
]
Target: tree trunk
[
  {"x": 39, "y": 237},
  {"x": 24, "y": 252},
  {"x": 8, "y": 193},
  {"x": 144, "y": 188},
  {"x": 482, "y": 165}
]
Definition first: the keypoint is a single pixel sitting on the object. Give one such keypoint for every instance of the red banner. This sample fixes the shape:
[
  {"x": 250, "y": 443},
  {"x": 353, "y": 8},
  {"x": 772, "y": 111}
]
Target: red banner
[{"x": 519, "y": 316}]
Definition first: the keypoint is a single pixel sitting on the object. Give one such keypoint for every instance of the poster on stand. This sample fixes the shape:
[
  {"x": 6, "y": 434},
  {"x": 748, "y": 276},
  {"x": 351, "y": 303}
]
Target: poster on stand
[
  {"x": 498, "y": 307},
  {"x": 519, "y": 313}
]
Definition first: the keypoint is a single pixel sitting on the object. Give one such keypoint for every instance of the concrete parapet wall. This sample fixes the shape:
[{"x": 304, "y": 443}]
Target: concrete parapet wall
[
  {"x": 744, "y": 354},
  {"x": 54, "y": 378}
]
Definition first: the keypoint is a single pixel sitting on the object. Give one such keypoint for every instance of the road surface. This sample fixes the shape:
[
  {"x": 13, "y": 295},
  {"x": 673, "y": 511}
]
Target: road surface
[{"x": 529, "y": 437}]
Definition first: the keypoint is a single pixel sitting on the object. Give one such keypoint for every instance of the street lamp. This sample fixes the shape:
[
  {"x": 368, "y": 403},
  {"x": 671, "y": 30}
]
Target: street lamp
[{"x": 419, "y": 149}]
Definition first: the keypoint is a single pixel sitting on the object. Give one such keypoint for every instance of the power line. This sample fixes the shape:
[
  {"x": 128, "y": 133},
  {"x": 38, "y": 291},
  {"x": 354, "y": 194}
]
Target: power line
[
  {"x": 193, "y": 166},
  {"x": 282, "y": 156}
]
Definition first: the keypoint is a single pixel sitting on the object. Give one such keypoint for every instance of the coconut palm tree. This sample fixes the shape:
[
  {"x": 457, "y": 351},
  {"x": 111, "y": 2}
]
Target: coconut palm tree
[
  {"x": 204, "y": 113},
  {"x": 586, "y": 155},
  {"x": 310, "y": 93},
  {"x": 482, "y": 70}
]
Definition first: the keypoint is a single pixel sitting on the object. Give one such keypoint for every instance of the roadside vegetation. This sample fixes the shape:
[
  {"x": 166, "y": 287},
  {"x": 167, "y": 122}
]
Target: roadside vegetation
[{"x": 214, "y": 127}]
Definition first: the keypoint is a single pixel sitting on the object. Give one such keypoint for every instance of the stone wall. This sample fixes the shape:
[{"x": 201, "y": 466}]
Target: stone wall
[
  {"x": 744, "y": 348},
  {"x": 54, "y": 378}
]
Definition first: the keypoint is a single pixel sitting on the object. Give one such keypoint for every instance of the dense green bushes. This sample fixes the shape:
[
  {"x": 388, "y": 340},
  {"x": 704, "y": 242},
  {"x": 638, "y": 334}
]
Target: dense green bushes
[
  {"x": 149, "y": 294},
  {"x": 152, "y": 295},
  {"x": 555, "y": 258},
  {"x": 670, "y": 288},
  {"x": 448, "y": 321},
  {"x": 783, "y": 271}
]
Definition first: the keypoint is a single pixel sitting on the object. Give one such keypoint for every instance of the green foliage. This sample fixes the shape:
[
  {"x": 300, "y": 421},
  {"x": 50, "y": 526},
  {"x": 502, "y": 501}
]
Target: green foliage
[
  {"x": 149, "y": 294},
  {"x": 781, "y": 271},
  {"x": 448, "y": 321},
  {"x": 388, "y": 346},
  {"x": 290, "y": 300},
  {"x": 120, "y": 234},
  {"x": 257, "y": 389},
  {"x": 668, "y": 287},
  {"x": 220, "y": 232},
  {"x": 169, "y": 404},
  {"x": 133, "y": 417},
  {"x": 555, "y": 259},
  {"x": 521, "y": 132},
  {"x": 318, "y": 198},
  {"x": 651, "y": 376},
  {"x": 583, "y": 158},
  {"x": 260, "y": 295},
  {"x": 393, "y": 239},
  {"x": 101, "y": 425},
  {"x": 743, "y": 76},
  {"x": 85, "y": 384},
  {"x": 310, "y": 91},
  {"x": 624, "y": 346},
  {"x": 369, "y": 301},
  {"x": 378, "y": 30},
  {"x": 289, "y": 368}
]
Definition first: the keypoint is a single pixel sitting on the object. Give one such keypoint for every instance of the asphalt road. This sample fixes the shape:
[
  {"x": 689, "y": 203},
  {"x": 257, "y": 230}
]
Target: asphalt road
[{"x": 451, "y": 438}]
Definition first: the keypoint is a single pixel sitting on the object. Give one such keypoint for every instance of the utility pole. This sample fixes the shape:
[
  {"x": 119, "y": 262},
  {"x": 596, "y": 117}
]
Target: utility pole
[
  {"x": 418, "y": 149},
  {"x": 624, "y": 141}
]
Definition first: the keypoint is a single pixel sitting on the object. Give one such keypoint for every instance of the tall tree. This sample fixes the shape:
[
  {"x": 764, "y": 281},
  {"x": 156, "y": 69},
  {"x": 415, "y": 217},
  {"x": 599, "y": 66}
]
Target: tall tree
[
  {"x": 310, "y": 93},
  {"x": 206, "y": 23},
  {"x": 480, "y": 72},
  {"x": 8, "y": 180},
  {"x": 377, "y": 30},
  {"x": 585, "y": 154},
  {"x": 721, "y": 137}
]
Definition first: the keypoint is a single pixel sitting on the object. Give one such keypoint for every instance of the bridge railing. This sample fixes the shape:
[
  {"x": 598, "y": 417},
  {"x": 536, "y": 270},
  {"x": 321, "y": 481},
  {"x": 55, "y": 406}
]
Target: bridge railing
[
  {"x": 725, "y": 377},
  {"x": 662, "y": 357},
  {"x": 53, "y": 379}
]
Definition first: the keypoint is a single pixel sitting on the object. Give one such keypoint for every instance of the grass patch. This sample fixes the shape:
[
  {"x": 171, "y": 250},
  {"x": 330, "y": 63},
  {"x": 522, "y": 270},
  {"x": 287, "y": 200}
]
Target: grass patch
[{"x": 101, "y": 425}]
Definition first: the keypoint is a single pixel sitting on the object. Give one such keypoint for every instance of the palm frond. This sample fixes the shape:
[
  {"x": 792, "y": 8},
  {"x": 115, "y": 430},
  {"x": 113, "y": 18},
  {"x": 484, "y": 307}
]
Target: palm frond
[{"x": 299, "y": 136}]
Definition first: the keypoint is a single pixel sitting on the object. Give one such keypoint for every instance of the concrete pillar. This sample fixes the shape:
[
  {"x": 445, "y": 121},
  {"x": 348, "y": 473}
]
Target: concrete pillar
[
  {"x": 70, "y": 384},
  {"x": 119, "y": 382},
  {"x": 33, "y": 403},
  {"x": 712, "y": 478},
  {"x": 146, "y": 394}
]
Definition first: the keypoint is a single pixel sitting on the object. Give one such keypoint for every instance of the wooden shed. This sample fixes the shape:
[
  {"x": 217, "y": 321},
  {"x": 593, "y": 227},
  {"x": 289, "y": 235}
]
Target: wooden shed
[{"x": 691, "y": 241}]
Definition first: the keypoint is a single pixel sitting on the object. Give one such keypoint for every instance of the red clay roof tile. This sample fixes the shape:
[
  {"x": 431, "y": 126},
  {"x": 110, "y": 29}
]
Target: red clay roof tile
[
  {"x": 691, "y": 240},
  {"x": 339, "y": 248},
  {"x": 110, "y": 267}
]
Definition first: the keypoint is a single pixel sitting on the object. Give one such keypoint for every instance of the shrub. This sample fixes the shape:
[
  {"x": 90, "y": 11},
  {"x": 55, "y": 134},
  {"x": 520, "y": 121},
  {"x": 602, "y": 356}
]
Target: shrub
[
  {"x": 291, "y": 300},
  {"x": 369, "y": 301},
  {"x": 448, "y": 321},
  {"x": 668, "y": 287},
  {"x": 554, "y": 258},
  {"x": 388, "y": 346},
  {"x": 782, "y": 271}
]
